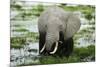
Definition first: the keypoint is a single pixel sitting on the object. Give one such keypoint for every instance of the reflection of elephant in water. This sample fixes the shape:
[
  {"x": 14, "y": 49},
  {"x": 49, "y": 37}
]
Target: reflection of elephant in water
[{"x": 56, "y": 29}]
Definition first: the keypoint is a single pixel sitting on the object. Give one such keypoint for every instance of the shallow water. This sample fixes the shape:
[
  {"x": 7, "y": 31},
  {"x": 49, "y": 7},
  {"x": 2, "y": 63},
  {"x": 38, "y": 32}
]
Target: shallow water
[{"x": 28, "y": 54}]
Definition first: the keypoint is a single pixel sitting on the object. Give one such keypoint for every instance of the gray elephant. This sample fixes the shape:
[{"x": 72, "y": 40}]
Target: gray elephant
[{"x": 56, "y": 30}]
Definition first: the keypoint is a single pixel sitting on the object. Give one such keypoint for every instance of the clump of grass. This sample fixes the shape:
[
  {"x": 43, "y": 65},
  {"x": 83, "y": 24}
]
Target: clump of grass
[
  {"x": 86, "y": 31},
  {"x": 73, "y": 59},
  {"x": 88, "y": 16},
  {"x": 20, "y": 40},
  {"x": 37, "y": 11},
  {"x": 84, "y": 52},
  {"x": 40, "y": 7},
  {"x": 17, "y": 42},
  {"x": 16, "y": 6},
  {"x": 16, "y": 46},
  {"x": 34, "y": 36}
]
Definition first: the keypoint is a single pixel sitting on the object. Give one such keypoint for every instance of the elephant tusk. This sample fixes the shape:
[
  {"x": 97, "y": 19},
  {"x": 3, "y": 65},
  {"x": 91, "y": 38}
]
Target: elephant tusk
[
  {"x": 42, "y": 49},
  {"x": 55, "y": 48},
  {"x": 60, "y": 42}
]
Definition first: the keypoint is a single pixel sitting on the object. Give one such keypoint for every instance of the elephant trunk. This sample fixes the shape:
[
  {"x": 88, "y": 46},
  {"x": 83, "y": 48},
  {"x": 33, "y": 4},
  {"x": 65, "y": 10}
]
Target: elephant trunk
[
  {"x": 49, "y": 41},
  {"x": 52, "y": 42}
]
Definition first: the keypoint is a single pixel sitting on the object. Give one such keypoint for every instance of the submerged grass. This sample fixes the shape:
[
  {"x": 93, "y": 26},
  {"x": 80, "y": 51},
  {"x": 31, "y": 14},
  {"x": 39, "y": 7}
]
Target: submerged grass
[{"x": 19, "y": 42}]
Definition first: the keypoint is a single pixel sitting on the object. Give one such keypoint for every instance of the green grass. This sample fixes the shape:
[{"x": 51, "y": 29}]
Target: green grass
[
  {"x": 20, "y": 30},
  {"x": 16, "y": 6},
  {"x": 16, "y": 25},
  {"x": 84, "y": 9},
  {"x": 78, "y": 55},
  {"x": 19, "y": 42},
  {"x": 16, "y": 46},
  {"x": 84, "y": 52},
  {"x": 33, "y": 35}
]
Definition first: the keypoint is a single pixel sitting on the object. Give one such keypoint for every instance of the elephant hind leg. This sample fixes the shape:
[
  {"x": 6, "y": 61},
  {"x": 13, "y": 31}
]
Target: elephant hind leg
[{"x": 41, "y": 42}]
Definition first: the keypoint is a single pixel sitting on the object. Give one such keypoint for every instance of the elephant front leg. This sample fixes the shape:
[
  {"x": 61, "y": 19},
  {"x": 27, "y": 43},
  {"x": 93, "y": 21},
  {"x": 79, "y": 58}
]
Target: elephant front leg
[{"x": 41, "y": 43}]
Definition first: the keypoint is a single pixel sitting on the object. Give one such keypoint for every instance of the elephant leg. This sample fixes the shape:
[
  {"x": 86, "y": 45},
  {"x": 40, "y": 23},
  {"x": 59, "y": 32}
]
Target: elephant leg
[
  {"x": 68, "y": 46},
  {"x": 41, "y": 42}
]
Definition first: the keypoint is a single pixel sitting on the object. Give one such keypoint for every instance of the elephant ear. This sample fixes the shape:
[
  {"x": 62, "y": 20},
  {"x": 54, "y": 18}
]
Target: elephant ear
[{"x": 72, "y": 25}]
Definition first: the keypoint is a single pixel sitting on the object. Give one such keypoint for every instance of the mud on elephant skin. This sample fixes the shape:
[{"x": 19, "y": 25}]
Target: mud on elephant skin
[{"x": 56, "y": 30}]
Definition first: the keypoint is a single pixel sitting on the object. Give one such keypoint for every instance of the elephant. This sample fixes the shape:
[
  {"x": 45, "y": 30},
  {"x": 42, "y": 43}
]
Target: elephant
[{"x": 56, "y": 30}]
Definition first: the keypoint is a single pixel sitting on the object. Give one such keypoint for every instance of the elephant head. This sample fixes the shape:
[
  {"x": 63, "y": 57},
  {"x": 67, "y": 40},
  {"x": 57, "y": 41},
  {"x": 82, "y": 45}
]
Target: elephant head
[
  {"x": 56, "y": 20},
  {"x": 52, "y": 36}
]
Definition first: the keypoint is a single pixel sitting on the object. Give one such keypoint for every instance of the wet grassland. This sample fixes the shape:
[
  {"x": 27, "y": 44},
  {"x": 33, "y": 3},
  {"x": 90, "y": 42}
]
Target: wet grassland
[{"x": 24, "y": 35}]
